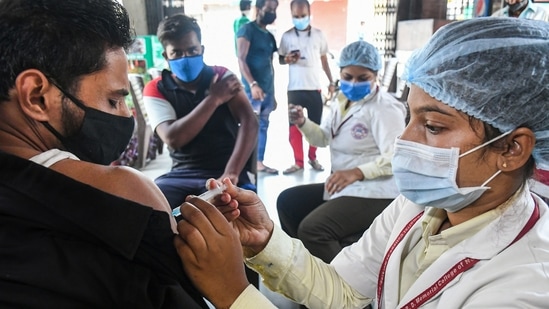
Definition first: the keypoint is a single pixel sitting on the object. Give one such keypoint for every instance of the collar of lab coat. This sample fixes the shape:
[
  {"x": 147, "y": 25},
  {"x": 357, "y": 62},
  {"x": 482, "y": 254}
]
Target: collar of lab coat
[{"x": 483, "y": 246}]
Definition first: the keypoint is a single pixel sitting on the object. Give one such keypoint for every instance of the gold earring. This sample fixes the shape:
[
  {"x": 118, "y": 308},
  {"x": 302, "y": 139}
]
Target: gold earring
[{"x": 504, "y": 165}]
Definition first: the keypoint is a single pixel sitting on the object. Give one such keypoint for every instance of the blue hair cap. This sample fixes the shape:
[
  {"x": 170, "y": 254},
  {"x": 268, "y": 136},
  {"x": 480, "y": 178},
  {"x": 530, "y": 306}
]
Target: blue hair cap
[
  {"x": 493, "y": 69},
  {"x": 362, "y": 54}
]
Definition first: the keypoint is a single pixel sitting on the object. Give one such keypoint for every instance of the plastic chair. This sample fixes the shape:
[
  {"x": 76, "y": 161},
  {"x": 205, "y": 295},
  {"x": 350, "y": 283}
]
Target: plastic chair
[{"x": 144, "y": 130}]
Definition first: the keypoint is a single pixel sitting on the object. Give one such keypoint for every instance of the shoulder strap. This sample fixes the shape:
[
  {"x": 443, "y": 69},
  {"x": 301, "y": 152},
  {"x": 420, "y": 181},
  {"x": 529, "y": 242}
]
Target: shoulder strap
[
  {"x": 161, "y": 86},
  {"x": 205, "y": 81}
]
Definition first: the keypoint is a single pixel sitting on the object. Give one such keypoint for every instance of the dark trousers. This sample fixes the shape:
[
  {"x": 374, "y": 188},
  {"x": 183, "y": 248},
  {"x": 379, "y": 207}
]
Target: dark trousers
[
  {"x": 325, "y": 227},
  {"x": 312, "y": 101},
  {"x": 177, "y": 184}
]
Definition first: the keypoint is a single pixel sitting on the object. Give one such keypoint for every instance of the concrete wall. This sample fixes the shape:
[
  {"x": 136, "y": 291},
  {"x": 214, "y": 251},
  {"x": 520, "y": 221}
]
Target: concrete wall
[
  {"x": 357, "y": 11},
  {"x": 138, "y": 15}
]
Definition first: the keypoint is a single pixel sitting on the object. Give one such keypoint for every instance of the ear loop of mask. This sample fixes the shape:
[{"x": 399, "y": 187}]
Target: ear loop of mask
[
  {"x": 73, "y": 99},
  {"x": 482, "y": 145}
]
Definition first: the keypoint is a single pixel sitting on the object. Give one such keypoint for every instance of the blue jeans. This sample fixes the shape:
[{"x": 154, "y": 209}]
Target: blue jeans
[{"x": 263, "y": 109}]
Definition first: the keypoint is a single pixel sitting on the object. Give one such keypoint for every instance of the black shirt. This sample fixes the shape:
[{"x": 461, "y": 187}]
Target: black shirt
[
  {"x": 64, "y": 244},
  {"x": 213, "y": 145}
]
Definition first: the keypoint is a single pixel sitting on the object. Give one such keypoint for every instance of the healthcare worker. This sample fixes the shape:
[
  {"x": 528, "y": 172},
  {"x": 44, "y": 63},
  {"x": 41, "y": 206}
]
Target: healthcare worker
[
  {"x": 466, "y": 231},
  {"x": 360, "y": 131}
]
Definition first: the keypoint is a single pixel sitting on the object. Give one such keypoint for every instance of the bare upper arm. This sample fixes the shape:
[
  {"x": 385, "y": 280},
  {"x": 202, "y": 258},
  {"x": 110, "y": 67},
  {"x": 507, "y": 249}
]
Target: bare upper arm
[
  {"x": 120, "y": 181},
  {"x": 240, "y": 107},
  {"x": 324, "y": 59},
  {"x": 163, "y": 130},
  {"x": 243, "y": 45}
]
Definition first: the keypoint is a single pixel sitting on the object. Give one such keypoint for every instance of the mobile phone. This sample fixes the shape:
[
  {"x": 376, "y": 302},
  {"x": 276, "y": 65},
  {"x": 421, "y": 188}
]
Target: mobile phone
[{"x": 296, "y": 52}]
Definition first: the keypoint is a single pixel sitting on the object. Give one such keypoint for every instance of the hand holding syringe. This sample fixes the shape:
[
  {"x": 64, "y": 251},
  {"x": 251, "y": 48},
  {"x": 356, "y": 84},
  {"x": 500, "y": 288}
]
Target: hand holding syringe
[{"x": 208, "y": 196}]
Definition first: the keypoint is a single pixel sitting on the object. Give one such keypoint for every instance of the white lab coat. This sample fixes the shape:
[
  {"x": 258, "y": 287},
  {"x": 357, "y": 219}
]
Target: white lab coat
[
  {"x": 513, "y": 277},
  {"x": 366, "y": 133}
]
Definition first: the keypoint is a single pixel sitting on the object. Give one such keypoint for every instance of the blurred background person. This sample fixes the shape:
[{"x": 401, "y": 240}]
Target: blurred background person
[
  {"x": 245, "y": 7},
  {"x": 255, "y": 48},
  {"x": 304, "y": 49},
  {"x": 522, "y": 9}
]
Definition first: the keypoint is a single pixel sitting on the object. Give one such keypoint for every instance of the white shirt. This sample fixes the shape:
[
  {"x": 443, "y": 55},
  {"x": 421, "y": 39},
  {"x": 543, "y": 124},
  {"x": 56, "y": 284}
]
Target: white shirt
[
  {"x": 531, "y": 11},
  {"x": 305, "y": 73}
]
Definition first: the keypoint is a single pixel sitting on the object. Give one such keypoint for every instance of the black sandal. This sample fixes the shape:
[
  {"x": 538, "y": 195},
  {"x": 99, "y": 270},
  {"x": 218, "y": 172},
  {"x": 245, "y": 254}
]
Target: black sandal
[
  {"x": 268, "y": 170},
  {"x": 316, "y": 166},
  {"x": 292, "y": 169}
]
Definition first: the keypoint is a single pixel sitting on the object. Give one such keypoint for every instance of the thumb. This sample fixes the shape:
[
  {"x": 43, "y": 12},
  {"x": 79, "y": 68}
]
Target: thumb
[{"x": 212, "y": 183}]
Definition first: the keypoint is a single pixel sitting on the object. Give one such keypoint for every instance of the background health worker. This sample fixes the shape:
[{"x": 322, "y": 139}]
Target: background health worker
[{"x": 360, "y": 131}]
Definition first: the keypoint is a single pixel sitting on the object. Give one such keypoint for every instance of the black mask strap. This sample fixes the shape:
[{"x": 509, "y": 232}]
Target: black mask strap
[
  {"x": 53, "y": 131},
  {"x": 76, "y": 101}
]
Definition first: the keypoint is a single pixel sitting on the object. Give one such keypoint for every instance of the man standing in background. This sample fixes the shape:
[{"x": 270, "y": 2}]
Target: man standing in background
[
  {"x": 304, "y": 49},
  {"x": 245, "y": 7},
  {"x": 522, "y": 9},
  {"x": 255, "y": 48}
]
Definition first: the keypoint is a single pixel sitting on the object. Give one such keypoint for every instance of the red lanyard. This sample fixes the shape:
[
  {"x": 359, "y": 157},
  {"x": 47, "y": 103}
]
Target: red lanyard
[
  {"x": 460, "y": 267},
  {"x": 336, "y": 132}
]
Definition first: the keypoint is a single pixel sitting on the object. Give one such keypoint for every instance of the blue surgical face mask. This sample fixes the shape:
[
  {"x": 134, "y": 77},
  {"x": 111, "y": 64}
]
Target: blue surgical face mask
[
  {"x": 187, "y": 69},
  {"x": 427, "y": 175},
  {"x": 355, "y": 91},
  {"x": 301, "y": 23}
]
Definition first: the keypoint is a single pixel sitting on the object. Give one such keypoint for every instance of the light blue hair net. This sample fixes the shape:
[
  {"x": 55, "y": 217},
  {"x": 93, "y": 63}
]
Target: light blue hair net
[
  {"x": 362, "y": 54},
  {"x": 493, "y": 69}
]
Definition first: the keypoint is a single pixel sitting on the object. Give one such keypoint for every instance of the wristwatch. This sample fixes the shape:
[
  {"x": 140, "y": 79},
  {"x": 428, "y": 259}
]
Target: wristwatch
[{"x": 253, "y": 83}]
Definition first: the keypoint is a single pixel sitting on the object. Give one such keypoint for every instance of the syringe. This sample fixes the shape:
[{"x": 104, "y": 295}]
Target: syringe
[{"x": 207, "y": 196}]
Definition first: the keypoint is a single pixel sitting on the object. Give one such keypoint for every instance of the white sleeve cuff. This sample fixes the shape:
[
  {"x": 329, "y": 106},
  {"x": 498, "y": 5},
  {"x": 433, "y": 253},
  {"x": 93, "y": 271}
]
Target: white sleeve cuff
[{"x": 251, "y": 298}]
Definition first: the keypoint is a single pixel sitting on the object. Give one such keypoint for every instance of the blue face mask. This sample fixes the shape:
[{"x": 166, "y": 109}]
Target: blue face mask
[
  {"x": 301, "y": 23},
  {"x": 187, "y": 69},
  {"x": 355, "y": 91},
  {"x": 427, "y": 175}
]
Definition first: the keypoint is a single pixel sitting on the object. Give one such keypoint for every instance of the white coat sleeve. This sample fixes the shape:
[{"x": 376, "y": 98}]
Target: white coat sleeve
[
  {"x": 286, "y": 267},
  {"x": 319, "y": 135},
  {"x": 251, "y": 298}
]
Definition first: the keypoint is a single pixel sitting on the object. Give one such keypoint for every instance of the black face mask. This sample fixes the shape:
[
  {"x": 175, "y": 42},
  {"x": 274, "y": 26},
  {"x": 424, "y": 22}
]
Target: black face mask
[
  {"x": 513, "y": 8},
  {"x": 101, "y": 138},
  {"x": 268, "y": 18}
]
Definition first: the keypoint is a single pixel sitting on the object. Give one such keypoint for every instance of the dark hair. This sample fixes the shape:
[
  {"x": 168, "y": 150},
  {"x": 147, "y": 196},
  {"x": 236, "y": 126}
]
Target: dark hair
[
  {"x": 63, "y": 39},
  {"x": 245, "y": 5},
  {"x": 175, "y": 27},
  {"x": 261, "y": 3},
  {"x": 296, "y": 2}
]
